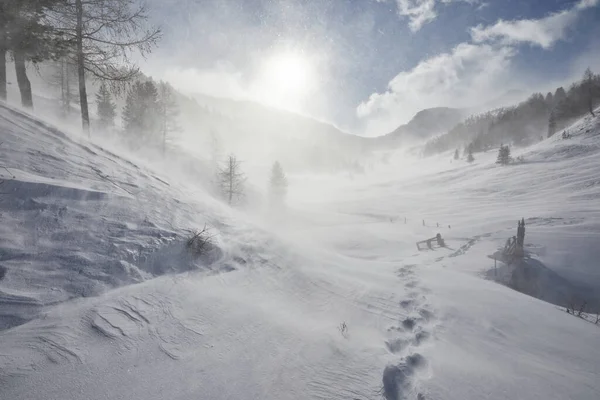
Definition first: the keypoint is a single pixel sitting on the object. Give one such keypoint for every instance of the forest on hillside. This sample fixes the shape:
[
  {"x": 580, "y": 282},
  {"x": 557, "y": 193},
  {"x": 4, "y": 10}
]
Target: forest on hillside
[{"x": 530, "y": 121}]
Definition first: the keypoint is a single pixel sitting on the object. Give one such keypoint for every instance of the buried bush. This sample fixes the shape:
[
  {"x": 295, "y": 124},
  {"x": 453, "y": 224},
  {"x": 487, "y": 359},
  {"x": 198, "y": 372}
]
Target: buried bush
[{"x": 199, "y": 242}]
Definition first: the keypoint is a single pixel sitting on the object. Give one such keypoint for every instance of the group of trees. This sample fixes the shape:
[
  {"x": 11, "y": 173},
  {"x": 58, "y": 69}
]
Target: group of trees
[
  {"x": 231, "y": 182},
  {"x": 150, "y": 114},
  {"x": 525, "y": 123},
  {"x": 582, "y": 97},
  {"x": 96, "y": 37}
]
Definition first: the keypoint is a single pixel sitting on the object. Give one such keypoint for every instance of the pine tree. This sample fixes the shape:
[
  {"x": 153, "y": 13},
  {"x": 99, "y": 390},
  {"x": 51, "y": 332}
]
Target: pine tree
[
  {"x": 106, "y": 107},
  {"x": 551, "y": 124},
  {"x": 231, "y": 179},
  {"x": 169, "y": 113},
  {"x": 278, "y": 184},
  {"x": 588, "y": 86},
  {"x": 503, "y": 155},
  {"x": 141, "y": 113},
  {"x": 470, "y": 157},
  {"x": 456, "y": 155}
]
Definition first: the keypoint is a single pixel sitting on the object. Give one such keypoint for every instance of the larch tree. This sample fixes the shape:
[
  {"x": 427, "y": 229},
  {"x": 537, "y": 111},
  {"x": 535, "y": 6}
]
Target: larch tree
[
  {"x": 105, "y": 34},
  {"x": 231, "y": 179},
  {"x": 106, "y": 107}
]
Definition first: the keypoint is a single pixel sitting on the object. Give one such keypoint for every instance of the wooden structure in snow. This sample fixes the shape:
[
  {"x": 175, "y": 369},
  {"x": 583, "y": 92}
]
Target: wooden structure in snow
[
  {"x": 514, "y": 248},
  {"x": 431, "y": 243}
]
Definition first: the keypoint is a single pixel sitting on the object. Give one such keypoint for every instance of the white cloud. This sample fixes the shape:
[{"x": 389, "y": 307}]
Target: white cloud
[
  {"x": 457, "y": 78},
  {"x": 421, "y": 12},
  {"x": 468, "y": 75},
  {"x": 542, "y": 32}
]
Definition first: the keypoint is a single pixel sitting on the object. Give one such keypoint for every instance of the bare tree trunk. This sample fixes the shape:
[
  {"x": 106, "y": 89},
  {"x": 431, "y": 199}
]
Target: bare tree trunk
[
  {"x": 3, "y": 74},
  {"x": 591, "y": 105},
  {"x": 22, "y": 80},
  {"x": 85, "y": 115}
]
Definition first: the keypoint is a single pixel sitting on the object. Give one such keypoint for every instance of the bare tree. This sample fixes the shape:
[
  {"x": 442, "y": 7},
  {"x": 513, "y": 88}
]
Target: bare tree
[
  {"x": 231, "y": 179},
  {"x": 105, "y": 34}
]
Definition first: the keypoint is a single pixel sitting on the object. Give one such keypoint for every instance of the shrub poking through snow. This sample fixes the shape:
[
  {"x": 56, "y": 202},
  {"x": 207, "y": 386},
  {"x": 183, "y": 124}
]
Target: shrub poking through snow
[
  {"x": 343, "y": 328},
  {"x": 199, "y": 242}
]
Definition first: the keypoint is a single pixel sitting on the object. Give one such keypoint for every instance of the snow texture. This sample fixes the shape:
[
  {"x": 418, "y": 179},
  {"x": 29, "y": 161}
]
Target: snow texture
[{"x": 100, "y": 300}]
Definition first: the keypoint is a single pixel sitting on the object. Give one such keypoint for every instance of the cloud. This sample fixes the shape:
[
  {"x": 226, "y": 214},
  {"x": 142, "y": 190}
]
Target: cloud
[
  {"x": 421, "y": 12},
  {"x": 470, "y": 74},
  {"x": 542, "y": 32},
  {"x": 456, "y": 78}
]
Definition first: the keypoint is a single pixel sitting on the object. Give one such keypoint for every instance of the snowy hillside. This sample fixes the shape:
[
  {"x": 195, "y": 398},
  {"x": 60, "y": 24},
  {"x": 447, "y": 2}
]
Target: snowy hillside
[{"x": 99, "y": 299}]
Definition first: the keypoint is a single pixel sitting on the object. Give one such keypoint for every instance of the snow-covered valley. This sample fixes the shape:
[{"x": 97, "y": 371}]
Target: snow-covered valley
[{"x": 329, "y": 300}]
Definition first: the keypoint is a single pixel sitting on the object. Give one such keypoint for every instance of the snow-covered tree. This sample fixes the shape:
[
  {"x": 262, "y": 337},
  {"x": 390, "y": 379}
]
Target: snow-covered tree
[
  {"x": 106, "y": 107},
  {"x": 231, "y": 179},
  {"x": 504, "y": 157},
  {"x": 278, "y": 184},
  {"x": 456, "y": 155}
]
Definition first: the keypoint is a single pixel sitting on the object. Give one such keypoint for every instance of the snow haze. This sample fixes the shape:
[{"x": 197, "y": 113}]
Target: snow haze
[{"x": 271, "y": 204}]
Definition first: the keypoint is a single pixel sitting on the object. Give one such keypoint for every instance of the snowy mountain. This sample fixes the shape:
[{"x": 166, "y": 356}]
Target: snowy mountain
[
  {"x": 331, "y": 300},
  {"x": 257, "y": 131},
  {"x": 424, "y": 125}
]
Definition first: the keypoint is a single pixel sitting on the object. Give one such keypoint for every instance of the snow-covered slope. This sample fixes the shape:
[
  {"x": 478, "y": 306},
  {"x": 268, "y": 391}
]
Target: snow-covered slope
[{"x": 262, "y": 317}]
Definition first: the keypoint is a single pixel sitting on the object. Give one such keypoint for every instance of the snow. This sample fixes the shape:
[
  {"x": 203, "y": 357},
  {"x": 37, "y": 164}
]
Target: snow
[{"x": 100, "y": 300}]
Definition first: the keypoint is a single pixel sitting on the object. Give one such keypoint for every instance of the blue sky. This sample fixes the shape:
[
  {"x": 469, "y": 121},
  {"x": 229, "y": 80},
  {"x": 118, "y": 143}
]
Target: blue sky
[{"x": 374, "y": 63}]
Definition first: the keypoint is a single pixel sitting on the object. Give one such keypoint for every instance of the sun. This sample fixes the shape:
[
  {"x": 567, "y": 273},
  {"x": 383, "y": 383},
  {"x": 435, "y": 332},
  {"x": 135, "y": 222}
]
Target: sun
[{"x": 288, "y": 74}]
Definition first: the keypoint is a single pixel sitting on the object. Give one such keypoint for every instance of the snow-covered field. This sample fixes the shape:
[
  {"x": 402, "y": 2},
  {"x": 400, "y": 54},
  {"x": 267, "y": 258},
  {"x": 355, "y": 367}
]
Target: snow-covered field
[{"x": 99, "y": 300}]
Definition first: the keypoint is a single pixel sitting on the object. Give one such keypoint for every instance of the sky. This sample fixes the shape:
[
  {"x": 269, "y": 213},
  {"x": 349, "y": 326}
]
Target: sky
[{"x": 368, "y": 66}]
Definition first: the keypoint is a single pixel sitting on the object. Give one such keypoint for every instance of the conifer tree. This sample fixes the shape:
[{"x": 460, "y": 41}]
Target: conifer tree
[
  {"x": 503, "y": 155},
  {"x": 470, "y": 157},
  {"x": 456, "y": 155},
  {"x": 169, "y": 113},
  {"x": 141, "y": 113},
  {"x": 551, "y": 124},
  {"x": 106, "y": 107},
  {"x": 278, "y": 184}
]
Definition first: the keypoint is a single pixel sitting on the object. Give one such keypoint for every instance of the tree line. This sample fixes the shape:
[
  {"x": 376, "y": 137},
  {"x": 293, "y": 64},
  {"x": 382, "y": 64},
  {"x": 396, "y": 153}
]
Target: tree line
[
  {"x": 97, "y": 37},
  {"x": 525, "y": 123}
]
